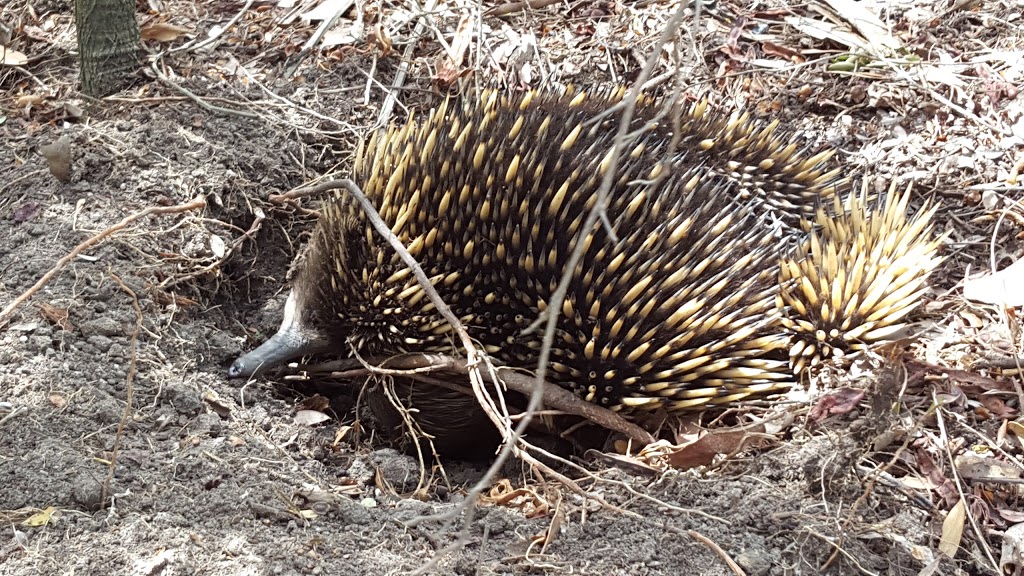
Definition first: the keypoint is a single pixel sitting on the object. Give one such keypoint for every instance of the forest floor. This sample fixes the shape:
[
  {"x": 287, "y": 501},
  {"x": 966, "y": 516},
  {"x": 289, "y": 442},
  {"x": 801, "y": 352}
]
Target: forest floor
[{"x": 124, "y": 449}]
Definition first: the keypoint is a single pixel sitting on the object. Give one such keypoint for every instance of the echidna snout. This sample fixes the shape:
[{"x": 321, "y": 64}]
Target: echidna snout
[{"x": 293, "y": 339}]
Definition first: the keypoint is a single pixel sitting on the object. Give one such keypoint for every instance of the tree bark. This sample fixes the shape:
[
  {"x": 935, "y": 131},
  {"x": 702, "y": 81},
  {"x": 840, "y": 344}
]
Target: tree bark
[{"x": 108, "y": 43}]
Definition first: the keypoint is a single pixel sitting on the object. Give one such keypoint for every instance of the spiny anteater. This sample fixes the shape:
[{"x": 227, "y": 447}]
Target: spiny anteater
[{"x": 489, "y": 197}]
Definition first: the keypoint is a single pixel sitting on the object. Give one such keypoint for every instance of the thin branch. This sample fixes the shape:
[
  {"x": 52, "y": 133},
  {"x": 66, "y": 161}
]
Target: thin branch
[
  {"x": 128, "y": 386},
  {"x": 555, "y": 396}
]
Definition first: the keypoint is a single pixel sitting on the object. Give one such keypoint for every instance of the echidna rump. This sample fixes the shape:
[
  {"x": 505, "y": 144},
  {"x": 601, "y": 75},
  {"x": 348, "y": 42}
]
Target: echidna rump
[
  {"x": 857, "y": 276},
  {"x": 682, "y": 309}
]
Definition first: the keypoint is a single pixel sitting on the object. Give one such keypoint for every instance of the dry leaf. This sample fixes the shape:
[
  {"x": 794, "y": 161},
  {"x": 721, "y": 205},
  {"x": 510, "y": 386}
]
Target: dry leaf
[
  {"x": 972, "y": 465},
  {"x": 1011, "y": 515},
  {"x": 58, "y": 157},
  {"x": 41, "y": 518},
  {"x": 953, "y": 529},
  {"x": 314, "y": 402},
  {"x": 310, "y": 417},
  {"x": 867, "y": 24},
  {"x": 10, "y": 57},
  {"x": 340, "y": 434},
  {"x": 918, "y": 483},
  {"x": 327, "y": 10},
  {"x": 216, "y": 404},
  {"x": 839, "y": 402},
  {"x": 822, "y": 30},
  {"x": 525, "y": 500},
  {"x": 58, "y": 400},
  {"x": 703, "y": 451},
  {"x": 782, "y": 51},
  {"x": 996, "y": 407},
  {"x": 451, "y": 64},
  {"x": 1012, "y": 556},
  {"x": 549, "y": 535},
  {"x": 162, "y": 32},
  {"x": 1005, "y": 287},
  {"x": 56, "y": 316},
  {"x": 29, "y": 100}
]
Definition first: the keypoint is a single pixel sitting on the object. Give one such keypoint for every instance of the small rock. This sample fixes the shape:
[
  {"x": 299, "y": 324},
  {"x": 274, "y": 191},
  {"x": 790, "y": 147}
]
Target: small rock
[
  {"x": 183, "y": 398},
  {"x": 39, "y": 343},
  {"x": 351, "y": 512},
  {"x": 754, "y": 562},
  {"x": 497, "y": 522},
  {"x": 207, "y": 423},
  {"x": 100, "y": 342},
  {"x": 87, "y": 491},
  {"x": 402, "y": 472},
  {"x": 105, "y": 409},
  {"x": 104, "y": 326},
  {"x": 360, "y": 471}
]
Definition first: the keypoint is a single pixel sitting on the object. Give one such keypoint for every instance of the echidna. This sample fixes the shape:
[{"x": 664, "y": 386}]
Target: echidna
[{"x": 489, "y": 195}]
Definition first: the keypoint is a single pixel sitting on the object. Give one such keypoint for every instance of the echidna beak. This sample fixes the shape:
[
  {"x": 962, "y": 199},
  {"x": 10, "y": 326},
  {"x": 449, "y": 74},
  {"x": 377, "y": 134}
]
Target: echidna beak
[{"x": 291, "y": 341}]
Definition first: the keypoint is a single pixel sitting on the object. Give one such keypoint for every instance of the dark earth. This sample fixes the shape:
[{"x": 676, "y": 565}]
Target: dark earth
[{"x": 122, "y": 356}]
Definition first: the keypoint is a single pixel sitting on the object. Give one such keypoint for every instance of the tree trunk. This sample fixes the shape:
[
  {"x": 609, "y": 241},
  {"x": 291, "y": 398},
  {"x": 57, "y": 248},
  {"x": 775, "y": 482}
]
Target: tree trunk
[{"x": 108, "y": 42}]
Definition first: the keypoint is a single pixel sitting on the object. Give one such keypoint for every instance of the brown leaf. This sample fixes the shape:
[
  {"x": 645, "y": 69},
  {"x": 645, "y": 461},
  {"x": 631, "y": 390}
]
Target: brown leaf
[
  {"x": 315, "y": 402},
  {"x": 841, "y": 401},
  {"x": 1017, "y": 428},
  {"x": 702, "y": 452},
  {"x": 26, "y": 211},
  {"x": 58, "y": 157},
  {"x": 56, "y": 316},
  {"x": 523, "y": 499},
  {"x": 162, "y": 32},
  {"x": 451, "y": 64},
  {"x": 926, "y": 465},
  {"x": 1010, "y": 515},
  {"x": 310, "y": 417},
  {"x": 216, "y": 404},
  {"x": 28, "y": 100},
  {"x": 972, "y": 383},
  {"x": 378, "y": 38},
  {"x": 782, "y": 51},
  {"x": 165, "y": 298},
  {"x": 953, "y": 529},
  {"x": 10, "y": 57},
  {"x": 996, "y": 407}
]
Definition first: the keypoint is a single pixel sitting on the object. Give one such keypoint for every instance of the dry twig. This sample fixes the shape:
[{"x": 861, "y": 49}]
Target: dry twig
[
  {"x": 960, "y": 485},
  {"x": 128, "y": 386},
  {"x": 553, "y": 396}
]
